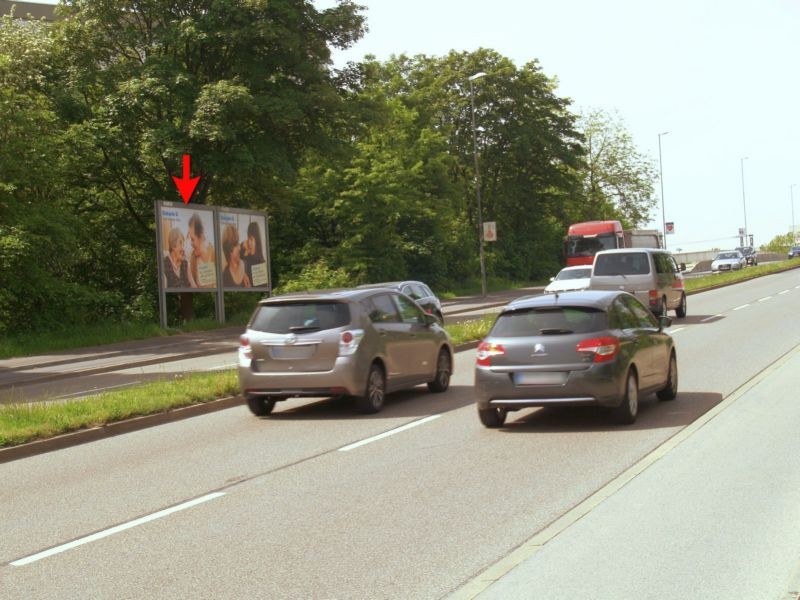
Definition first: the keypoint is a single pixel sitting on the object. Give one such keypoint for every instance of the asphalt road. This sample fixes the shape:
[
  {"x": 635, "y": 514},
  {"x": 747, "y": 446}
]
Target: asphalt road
[{"x": 287, "y": 507}]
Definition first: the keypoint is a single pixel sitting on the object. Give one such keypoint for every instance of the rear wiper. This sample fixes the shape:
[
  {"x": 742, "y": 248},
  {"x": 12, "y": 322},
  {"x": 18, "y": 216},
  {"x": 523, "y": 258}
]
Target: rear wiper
[
  {"x": 554, "y": 331},
  {"x": 304, "y": 328}
]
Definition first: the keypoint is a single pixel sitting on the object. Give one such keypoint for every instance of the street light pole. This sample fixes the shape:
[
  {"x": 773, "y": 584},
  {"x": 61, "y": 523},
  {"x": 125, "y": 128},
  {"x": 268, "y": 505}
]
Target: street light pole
[
  {"x": 791, "y": 200},
  {"x": 661, "y": 179},
  {"x": 477, "y": 180},
  {"x": 744, "y": 203}
]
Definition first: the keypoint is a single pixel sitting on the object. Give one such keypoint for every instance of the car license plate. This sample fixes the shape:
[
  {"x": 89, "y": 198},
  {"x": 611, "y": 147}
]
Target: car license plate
[
  {"x": 291, "y": 352},
  {"x": 547, "y": 378}
]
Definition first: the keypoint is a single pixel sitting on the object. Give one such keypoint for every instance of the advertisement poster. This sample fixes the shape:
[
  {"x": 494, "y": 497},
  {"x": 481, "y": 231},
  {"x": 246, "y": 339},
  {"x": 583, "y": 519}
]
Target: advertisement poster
[
  {"x": 243, "y": 256},
  {"x": 187, "y": 248}
]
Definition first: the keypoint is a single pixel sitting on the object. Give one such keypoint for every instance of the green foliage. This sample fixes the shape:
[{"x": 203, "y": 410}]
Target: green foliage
[
  {"x": 780, "y": 243},
  {"x": 618, "y": 180},
  {"x": 316, "y": 276}
]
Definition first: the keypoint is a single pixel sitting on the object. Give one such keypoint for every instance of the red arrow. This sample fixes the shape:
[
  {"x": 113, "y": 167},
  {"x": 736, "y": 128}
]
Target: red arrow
[{"x": 186, "y": 184}]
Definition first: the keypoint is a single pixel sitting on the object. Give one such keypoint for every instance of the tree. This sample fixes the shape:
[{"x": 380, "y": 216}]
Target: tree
[
  {"x": 244, "y": 87},
  {"x": 618, "y": 180}
]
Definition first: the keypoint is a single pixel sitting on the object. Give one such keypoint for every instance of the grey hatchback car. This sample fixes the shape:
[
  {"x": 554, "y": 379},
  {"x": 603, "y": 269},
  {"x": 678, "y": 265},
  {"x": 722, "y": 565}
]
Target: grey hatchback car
[
  {"x": 361, "y": 343},
  {"x": 602, "y": 348},
  {"x": 418, "y": 292}
]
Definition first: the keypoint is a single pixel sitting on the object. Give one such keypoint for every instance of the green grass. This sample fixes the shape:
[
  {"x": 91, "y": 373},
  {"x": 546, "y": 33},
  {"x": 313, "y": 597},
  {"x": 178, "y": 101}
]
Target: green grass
[
  {"x": 470, "y": 331},
  {"x": 20, "y": 423},
  {"x": 693, "y": 284}
]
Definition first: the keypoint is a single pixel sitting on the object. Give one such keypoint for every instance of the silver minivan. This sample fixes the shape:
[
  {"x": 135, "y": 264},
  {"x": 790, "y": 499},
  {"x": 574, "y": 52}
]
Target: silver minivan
[
  {"x": 650, "y": 274},
  {"x": 360, "y": 343}
]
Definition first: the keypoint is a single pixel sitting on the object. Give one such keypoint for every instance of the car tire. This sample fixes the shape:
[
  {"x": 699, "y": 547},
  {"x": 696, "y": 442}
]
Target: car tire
[
  {"x": 670, "y": 390},
  {"x": 626, "y": 412},
  {"x": 260, "y": 406},
  {"x": 492, "y": 418},
  {"x": 375, "y": 393},
  {"x": 444, "y": 368},
  {"x": 680, "y": 312}
]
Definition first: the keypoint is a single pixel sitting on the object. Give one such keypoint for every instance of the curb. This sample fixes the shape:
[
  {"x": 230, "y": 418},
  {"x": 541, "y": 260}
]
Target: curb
[{"x": 84, "y": 436}]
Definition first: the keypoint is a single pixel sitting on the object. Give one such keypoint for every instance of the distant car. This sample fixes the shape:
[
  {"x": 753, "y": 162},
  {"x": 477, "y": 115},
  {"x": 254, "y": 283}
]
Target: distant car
[
  {"x": 794, "y": 251},
  {"x": 589, "y": 348},
  {"x": 749, "y": 255},
  {"x": 731, "y": 260},
  {"x": 361, "y": 343},
  {"x": 570, "y": 279},
  {"x": 418, "y": 292}
]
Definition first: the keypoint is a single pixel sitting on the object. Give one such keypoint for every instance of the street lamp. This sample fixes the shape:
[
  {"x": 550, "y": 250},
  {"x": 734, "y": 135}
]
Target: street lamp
[
  {"x": 661, "y": 179},
  {"x": 744, "y": 203},
  {"x": 791, "y": 200},
  {"x": 477, "y": 179}
]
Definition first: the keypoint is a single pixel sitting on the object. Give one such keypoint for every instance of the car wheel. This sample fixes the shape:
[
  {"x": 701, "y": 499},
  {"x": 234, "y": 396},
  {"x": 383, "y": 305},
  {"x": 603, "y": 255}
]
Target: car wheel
[
  {"x": 260, "y": 406},
  {"x": 372, "y": 400},
  {"x": 670, "y": 390},
  {"x": 443, "y": 369},
  {"x": 492, "y": 417},
  {"x": 680, "y": 312},
  {"x": 627, "y": 411}
]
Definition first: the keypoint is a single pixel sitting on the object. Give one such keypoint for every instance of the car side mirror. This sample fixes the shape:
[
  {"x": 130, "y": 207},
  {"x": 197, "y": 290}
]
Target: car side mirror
[
  {"x": 682, "y": 267},
  {"x": 430, "y": 319},
  {"x": 664, "y": 322},
  {"x": 552, "y": 279}
]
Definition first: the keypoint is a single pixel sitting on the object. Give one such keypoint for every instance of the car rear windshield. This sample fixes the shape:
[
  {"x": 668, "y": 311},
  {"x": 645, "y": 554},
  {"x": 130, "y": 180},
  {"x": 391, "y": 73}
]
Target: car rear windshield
[
  {"x": 549, "y": 321},
  {"x": 574, "y": 274},
  {"x": 627, "y": 263},
  {"x": 300, "y": 317}
]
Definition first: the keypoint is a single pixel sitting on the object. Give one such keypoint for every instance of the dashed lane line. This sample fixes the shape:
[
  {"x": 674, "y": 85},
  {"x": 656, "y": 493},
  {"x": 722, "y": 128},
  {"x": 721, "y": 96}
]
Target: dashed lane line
[
  {"x": 385, "y": 434},
  {"x": 116, "y": 529}
]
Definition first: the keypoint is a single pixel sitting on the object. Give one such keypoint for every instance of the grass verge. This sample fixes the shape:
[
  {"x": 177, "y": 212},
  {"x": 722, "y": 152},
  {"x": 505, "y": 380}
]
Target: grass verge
[{"x": 20, "y": 423}]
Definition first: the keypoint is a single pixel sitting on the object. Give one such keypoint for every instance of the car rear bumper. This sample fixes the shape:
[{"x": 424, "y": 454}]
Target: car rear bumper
[
  {"x": 600, "y": 385},
  {"x": 344, "y": 379}
]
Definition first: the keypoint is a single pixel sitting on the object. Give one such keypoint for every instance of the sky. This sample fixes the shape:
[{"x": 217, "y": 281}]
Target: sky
[{"x": 721, "y": 77}]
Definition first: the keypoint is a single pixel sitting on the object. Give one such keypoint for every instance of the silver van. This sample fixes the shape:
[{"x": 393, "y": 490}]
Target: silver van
[{"x": 650, "y": 274}]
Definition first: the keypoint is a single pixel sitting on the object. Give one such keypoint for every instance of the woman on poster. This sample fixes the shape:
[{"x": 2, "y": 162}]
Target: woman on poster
[
  {"x": 176, "y": 267},
  {"x": 202, "y": 254},
  {"x": 234, "y": 274},
  {"x": 252, "y": 253}
]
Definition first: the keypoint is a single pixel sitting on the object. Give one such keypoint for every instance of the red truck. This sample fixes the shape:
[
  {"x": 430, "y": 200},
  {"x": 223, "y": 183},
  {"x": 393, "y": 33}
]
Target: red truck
[{"x": 584, "y": 240}]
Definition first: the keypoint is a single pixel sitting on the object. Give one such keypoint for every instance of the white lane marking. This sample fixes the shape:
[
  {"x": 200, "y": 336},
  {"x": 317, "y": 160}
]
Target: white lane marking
[
  {"x": 741, "y": 307},
  {"x": 765, "y": 298},
  {"x": 97, "y": 390},
  {"x": 711, "y": 317},
  {"x": 677, "y": 330},
  {"x": 107, "y": 532},
  {"x": 783, "y": 292},
  {"x": 380, "y": 436}
]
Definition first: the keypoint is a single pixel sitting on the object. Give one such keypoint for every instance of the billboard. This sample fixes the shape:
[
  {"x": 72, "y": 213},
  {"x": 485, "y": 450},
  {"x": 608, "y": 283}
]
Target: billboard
[
  {"x": 243, "y": 247},
  {"x": 186, "y": 248}
]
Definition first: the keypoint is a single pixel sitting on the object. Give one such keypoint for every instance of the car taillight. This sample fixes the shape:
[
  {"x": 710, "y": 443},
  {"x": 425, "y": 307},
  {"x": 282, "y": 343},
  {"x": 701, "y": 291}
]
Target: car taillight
[
  {"x": 653, "y": 295},
  {"x": 349, "y": 340},
  {"x": 244, "y": 346},
  {"x": 677, "y": 284},
  {"x": 486, "y": 351},
  {"x": 604, "y": 349}
]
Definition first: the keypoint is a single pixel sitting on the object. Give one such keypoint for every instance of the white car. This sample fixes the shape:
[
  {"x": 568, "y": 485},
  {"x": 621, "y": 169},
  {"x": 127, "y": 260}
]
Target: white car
[
  {"x": 732, "y": 260},
  {"x": 570, "y": 279}
]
